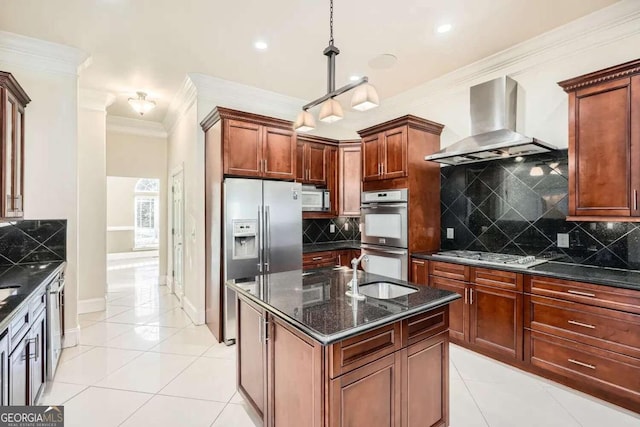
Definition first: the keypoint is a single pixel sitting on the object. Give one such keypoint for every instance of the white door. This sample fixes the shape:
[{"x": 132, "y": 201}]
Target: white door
[{"x": 177, "y": 230}]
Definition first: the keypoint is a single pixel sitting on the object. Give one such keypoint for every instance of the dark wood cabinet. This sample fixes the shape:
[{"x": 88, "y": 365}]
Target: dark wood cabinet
[
  {"x": 18, "y": 370},
  {"x": 341, "y": 257},
  {"x": 251, "y": 352},
  {"x": 371, "y": 158},
  {"x": 13, "y": 101},
  {"x": 350, "y": 178},
  {"x": 257, "y": 146},
  {"x": 420, "y": 271},
  {"x": 458, "y": 310},
  {"x": 384, "y": 155},
  {"x": 604, "y": 144},
  {"x": 313, "y": 163}
]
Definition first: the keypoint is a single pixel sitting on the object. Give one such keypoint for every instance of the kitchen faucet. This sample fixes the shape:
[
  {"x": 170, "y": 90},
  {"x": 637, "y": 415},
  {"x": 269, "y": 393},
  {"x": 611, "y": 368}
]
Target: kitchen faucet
[{"x": 355, "y": 291}]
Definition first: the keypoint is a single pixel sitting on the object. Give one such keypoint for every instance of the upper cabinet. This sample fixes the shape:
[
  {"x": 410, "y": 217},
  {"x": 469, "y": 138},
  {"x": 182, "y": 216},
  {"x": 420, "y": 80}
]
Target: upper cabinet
[
  {"x": 350, "y": 178},
  {"x": 312, "y": 160},
  {"x": 384, "y": 155},
  {"x": 257, "y": 146},
  {"x": 604, "y": 144},
  {"x": 13, "y": 101}
]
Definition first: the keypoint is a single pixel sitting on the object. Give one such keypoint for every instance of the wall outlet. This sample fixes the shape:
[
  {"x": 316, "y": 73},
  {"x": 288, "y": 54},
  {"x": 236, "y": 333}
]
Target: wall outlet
[
  {"x": 346, "y": 226},
  {"x": 332, "y": 228},
  {"x": 563, "y": 240},
  {"x": 450, "y": 233}
]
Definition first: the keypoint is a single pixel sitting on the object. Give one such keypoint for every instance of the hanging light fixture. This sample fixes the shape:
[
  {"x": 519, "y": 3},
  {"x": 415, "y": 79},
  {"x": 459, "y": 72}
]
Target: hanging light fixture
[
  {"x": 141, "y": 104},
  {"x": 364, "y": 98}
]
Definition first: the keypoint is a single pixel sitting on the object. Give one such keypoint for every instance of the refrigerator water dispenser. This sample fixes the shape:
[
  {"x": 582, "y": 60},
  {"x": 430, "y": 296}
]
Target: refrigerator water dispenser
[{"x": 245, "y": 243}]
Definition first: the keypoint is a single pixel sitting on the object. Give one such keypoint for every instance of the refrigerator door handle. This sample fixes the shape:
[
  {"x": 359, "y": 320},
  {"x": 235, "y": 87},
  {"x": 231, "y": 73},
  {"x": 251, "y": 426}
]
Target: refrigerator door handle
[
  {"x": 259, "y": 236},
  {"x": 267, "y": 237}
]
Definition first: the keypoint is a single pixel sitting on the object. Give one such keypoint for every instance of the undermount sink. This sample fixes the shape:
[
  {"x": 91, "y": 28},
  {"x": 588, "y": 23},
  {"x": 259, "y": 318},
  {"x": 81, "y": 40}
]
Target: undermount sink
[{"x": 385, "y": 290}]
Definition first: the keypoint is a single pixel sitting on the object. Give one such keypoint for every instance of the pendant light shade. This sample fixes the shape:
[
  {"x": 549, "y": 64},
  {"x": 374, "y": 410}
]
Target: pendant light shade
[
  {"x": 365, "y": 97},
  {"x": 330, "y": 111},
  {"x": 141, "y": 104},
  {"x": 305, "y": 122}
]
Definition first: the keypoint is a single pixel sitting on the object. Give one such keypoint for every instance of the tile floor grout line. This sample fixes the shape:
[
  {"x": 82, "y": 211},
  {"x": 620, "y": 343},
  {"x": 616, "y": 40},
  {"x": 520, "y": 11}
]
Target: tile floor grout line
[
  {"x": 562, "y": 406},
  {"x": 475, "y": 402}
]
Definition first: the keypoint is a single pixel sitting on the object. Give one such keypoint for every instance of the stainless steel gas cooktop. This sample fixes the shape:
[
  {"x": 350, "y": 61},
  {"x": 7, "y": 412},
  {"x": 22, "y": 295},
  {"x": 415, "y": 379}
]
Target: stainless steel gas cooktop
[{"x": 490, "y": 258}]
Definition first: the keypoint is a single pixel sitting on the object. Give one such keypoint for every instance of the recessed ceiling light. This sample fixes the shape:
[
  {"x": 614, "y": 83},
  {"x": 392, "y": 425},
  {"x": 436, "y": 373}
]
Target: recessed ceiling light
[
  {"x": 444, "y": 28},
  {"x": 383, "y": 62},
  {"x": 354, "y": 78},
  {"x": 261, "y": 45}
]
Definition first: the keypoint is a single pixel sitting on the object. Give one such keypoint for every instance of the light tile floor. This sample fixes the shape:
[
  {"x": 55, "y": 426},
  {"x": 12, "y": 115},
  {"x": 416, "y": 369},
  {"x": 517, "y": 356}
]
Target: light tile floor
[{"x": 142, "y": 362}]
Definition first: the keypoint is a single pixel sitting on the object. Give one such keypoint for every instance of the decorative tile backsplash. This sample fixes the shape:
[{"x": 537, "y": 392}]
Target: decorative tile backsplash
[
  {"x": 27, "y": 241},
  {"x": 520, "y": 207},
  {"x": 318, "y": 230}
]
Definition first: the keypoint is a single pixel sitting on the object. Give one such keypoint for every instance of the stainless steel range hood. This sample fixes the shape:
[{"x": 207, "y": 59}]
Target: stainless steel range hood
[{"x": 493, "y": 124}]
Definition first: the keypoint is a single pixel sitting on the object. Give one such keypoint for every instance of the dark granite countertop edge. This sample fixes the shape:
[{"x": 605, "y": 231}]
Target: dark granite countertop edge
[
  {"x": 308, "y": 248},
  {"x": 4, "y": 323},
  {"x": 331, "y": 339},
  {"x": 539, "y": 270}
]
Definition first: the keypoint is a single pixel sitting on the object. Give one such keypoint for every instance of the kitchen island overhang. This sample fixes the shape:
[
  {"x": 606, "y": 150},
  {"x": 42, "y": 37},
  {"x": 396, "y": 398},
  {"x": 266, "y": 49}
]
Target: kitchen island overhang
[{"x": 308, "y": 354}]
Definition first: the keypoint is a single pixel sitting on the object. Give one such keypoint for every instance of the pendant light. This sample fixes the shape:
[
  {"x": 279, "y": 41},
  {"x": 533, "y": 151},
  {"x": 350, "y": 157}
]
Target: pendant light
[
  {"x": 141, "y": 104},
  {"x": 364, "y": 98}
]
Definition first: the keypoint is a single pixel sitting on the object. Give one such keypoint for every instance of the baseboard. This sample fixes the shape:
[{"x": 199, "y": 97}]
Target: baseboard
[
  {"x": 91, "y": 305},
  {"x": 136, "y": 254},
  {"x": 71, "y": 337},
  {"x": 196, "y": 316}
]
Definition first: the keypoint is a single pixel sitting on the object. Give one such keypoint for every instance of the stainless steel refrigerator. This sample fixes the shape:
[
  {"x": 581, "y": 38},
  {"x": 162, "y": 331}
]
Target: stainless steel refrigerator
[{"x": 262, "y": 234}]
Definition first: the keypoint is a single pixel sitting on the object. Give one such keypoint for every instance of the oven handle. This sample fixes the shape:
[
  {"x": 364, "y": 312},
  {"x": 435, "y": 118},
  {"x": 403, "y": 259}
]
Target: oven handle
[
  {"x": 386, "y": 251},
  {"x": 383, "y": 205}
]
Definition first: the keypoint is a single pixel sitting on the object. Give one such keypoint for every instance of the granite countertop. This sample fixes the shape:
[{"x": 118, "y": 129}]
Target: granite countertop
[
  {"x": 330, "y": 246},
  {"x": 628, "y": 279},
  {"x": 27, "y": 278},
  {"x": 316, "y": 304}
]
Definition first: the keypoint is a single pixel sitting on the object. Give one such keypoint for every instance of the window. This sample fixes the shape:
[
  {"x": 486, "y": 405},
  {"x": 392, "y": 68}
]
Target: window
[{"x": 147, "y": 212}]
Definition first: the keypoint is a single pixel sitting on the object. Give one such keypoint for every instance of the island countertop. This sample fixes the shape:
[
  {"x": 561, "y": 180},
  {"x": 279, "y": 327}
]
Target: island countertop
[{"x": 315, "y": 302}]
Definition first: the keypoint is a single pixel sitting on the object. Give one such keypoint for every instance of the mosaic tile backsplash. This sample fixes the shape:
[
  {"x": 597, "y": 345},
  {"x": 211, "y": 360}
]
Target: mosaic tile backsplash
[
  {"x": 28, "y": 241},
  {"x": 520, "y": 207},
  {"x": 318, "y": 230}
]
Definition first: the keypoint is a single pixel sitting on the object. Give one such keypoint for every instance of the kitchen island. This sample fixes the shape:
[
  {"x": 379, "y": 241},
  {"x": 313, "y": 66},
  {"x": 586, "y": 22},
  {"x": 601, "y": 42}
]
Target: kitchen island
[{"x": 308, "y": 355}]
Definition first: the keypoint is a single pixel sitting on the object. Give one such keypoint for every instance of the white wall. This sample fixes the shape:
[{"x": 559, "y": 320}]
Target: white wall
[
  {"x": 140, "y": 155},
  {"x": 48, "y": 73},
  {"x": 120, "y": 214},
  {"x": 92, "y": 239}
]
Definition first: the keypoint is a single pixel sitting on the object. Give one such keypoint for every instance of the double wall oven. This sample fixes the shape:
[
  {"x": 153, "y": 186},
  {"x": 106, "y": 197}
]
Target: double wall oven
[{"x": 384, "y": 232}]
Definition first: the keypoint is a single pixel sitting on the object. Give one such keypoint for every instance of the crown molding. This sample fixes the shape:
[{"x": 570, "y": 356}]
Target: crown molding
[
  {"x": 95, "y": 100},
  {"x": 600, "y": 28},
  {"x": 126, "y": 125},
  {"x": 181, "y": 102},
  {"x": 31, "y": 53}
]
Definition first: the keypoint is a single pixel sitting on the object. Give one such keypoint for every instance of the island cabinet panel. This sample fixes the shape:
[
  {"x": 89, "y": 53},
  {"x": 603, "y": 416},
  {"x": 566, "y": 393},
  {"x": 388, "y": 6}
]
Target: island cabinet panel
[
  {"x": 295, "y": 378},
  {"x": 251, "y": 354},
  {"x": 425, "y": 388},
  {"x": 368, "y": 396}
]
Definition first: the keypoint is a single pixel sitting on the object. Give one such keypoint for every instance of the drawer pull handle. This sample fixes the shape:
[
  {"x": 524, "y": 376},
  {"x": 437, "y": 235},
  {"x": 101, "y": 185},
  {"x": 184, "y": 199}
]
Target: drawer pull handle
[
  {"x": 584, "y": 325},
  {"x": 584, "y": 294},
  {"x": 577, "y": 362},
  {"x": 317, "y": 258}
]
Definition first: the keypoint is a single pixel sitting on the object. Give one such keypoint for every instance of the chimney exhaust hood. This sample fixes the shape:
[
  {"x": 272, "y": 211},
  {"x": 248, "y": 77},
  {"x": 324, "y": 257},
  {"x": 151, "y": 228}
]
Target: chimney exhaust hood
[{"x": 493, "y": 128}]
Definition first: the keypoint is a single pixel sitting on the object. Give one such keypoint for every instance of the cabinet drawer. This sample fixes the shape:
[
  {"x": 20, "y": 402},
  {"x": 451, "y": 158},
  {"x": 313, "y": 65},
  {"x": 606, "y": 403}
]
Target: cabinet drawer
[
  {"x": 352, "y": 353},
  {"x": 18, "y": 327},
  {"x": 586, "y": 293},
  {"x": 612, "y": 372},
  {"x": 319, "y": 259},
  {"x": 601, "y": 327},
  {"x": 449, "y": 270},
  {"x": 497, "y": 278},
  {"x": 426, "y": 325},
  {"x": 38, "y": 303}
]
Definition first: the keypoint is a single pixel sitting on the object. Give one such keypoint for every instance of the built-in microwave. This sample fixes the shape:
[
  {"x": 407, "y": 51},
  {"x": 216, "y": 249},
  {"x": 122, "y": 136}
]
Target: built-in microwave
[{"x": 315, "y": 199}]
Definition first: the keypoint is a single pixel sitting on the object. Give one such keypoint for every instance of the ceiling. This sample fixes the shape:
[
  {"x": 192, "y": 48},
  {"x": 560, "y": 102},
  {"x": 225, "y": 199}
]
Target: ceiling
[{"x": 151, "y": 45}]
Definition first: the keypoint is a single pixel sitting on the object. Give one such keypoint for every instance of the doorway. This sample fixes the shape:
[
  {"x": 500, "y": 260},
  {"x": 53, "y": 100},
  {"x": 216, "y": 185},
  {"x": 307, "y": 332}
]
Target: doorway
[{"x": 177, "y": 233}]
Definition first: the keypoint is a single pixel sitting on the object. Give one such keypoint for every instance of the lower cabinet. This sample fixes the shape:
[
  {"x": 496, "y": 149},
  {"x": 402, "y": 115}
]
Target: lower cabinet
[
  {"x": 4, "y": 375},
  {"x": 37, "y": 358},
  {"x": 340, "y": 257},
  {"x": 419, "y": 271},
  {"x": 458, "y": 310},
  {"x": 251, "y": 354},
  {"x": 18, "y": 371}
]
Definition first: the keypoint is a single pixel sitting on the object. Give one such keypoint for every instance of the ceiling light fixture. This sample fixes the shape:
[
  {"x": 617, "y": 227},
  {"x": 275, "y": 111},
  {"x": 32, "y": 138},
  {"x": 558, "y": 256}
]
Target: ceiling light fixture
[
  {"x": 364, "y": 98},
  {"x": 444, "y": 28},
  {"x": 261, "y": 45},
  {"x": 141, "y": 104}
]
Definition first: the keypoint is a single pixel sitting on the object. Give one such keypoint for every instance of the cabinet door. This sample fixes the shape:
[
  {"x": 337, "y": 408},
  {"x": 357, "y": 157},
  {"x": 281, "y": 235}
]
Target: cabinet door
[
  {"x": 458, "y": 310},
  {"x": 251, "y": 354},
  {"x": 295, "y": 378},
  {"x": 279, "y": 153},
  {"x": 394, "y": 157},
  {"x": 350, "y": 180},
  {"x": 425, "y": 401},
  {"x": 18, "y": 374},
  {"x": 600, "y": 150},
  {"x": 301, "y": 168},
  {"x": 8, "y": 153},
  {"x": 419, "y": 272},
  {"x": 371, "y": 158},
  {"x": 242, "y": 148},
  {"x": 4, "y": 365},
  {"x": 497, "y": 320},
  {"x": 37, "y": 353},
  {"x": 18, "y": 175},
  {"x": 368, "y": 396},
  {"x": 317, "y": 164}
]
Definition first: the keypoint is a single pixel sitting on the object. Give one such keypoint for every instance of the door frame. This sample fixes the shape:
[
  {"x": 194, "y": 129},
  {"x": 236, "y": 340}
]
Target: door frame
[{"x": 170, "y": 272}]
